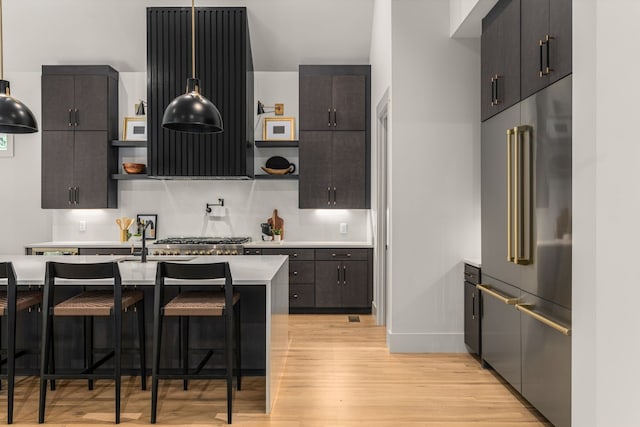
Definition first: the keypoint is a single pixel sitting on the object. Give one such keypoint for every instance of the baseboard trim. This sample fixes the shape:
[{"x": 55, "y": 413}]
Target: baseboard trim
[{"x": 426, "y": 342}]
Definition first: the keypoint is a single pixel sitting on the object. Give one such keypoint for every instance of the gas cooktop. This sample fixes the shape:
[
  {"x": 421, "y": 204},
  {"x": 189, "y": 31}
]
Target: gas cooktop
[
  {"x": 200, "y": 246},
  {"x": 203, "y": 241}
]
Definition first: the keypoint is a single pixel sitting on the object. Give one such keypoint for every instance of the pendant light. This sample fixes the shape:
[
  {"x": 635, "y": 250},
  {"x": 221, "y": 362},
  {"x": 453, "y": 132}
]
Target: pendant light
[
  {"x": 15, "y": 117},
  {"x": 192, "y": 112}
]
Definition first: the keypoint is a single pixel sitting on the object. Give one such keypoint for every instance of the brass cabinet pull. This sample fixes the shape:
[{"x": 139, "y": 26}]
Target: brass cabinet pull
[
  {"x": 523, "y": 175},
  {"x": 526, "y": 309},
  {"x": 510, "y": 256},
  {"x": 489, "y": 291}
]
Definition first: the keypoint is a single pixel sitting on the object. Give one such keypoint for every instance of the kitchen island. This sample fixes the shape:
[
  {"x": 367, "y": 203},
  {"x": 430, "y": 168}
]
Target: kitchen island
[{"x": 271, "y": 273}]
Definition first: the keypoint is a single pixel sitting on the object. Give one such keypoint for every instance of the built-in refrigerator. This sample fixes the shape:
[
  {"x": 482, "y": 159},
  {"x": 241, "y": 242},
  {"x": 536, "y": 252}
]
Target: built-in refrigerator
[{"x": 526, "y": 248}]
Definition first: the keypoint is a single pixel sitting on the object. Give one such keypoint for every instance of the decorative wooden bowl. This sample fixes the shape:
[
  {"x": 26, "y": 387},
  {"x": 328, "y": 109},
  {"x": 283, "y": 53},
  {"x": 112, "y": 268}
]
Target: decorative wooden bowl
[
  {"x": 271, "y": 171},
  {"x": 134, "y": 168}
]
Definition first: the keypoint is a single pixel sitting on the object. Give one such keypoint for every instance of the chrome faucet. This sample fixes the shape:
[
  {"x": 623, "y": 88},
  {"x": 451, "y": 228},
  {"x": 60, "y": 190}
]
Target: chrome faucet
[{"x": 143, "y": 233}]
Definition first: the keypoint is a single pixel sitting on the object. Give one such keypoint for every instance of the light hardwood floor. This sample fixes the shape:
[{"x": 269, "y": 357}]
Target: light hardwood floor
[{"x": 338, "y": 373}]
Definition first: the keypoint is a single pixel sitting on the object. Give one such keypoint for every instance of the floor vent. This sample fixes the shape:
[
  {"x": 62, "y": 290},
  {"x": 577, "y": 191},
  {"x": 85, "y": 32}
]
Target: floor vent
[{"x": 354, "y": 318}]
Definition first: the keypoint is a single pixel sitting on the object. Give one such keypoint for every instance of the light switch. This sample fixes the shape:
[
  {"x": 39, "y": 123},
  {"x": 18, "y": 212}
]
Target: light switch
[{"x": 83, "y": 225}]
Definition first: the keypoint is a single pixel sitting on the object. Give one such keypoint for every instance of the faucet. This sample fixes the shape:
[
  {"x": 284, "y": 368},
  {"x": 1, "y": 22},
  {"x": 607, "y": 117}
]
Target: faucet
[{"x": 143, "y": 233}]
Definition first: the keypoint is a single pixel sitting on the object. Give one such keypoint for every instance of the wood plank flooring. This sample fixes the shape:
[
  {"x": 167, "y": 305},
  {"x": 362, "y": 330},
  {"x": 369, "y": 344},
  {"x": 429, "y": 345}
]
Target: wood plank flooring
[{"x": 338, "y": 373}]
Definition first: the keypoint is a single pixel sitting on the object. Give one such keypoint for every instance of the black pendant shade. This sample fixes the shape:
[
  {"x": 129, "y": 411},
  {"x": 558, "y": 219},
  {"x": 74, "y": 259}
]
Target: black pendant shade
[
  {"x": 15, "y": 117},
  {"x": 192, "y": 112}
]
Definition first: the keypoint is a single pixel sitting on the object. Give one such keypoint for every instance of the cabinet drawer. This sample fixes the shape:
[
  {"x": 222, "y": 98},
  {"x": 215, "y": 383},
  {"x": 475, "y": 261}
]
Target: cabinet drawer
[
  {"x": 301, "y": 272},
  {"x": 252, "y": 251},
  {"x": 342, "y": 254},
  {"x": 471, "y": 274},
  {"x": 294, "y": 254},
  {"x": 301, "y": 296},
  {"x": 105, "y": 251}
]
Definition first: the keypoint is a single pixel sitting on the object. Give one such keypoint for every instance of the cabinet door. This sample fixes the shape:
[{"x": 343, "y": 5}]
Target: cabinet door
[
  {"x": 471, "y": 318},
  {"x": 349, "y": 170},
  {"x": 328, "y": 283},
  {"x": 315, "y": 170},
  {"x": 508, "y": 84},
  {"x": 490, "y": 51},
  {"x": 315, "y": 105},
  {"x": 57, "y": 102},
  {"x": 560, "y": 46},
  {"x": 91, "y": 174},
  {"x": 57, "y": 169},
  {"x": 91, "y": 111},
  {"x": 534, "y": 29},
  {"x": 353, "y": 289},
  {"x": 349, "y": 97}
]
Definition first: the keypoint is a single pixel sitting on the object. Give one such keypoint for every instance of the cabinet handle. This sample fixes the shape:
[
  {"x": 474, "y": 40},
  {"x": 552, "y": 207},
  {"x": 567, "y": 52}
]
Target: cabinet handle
[
  {"x": 335, "y": 118},
  {"x": 497, "y": 77},
  {"x": 77, "y": 195},
  {"x": 328, "y": 195},
  {"x": 294, "y": 296},
  {"x": 77, "y": 117},
  {"x": 329, "y": 117},
  {"x": 548, "y": 69},
  {"x": 492, "y": 92},
  {"x": 70, "y": 117},
  {"x": 338, "y": 275},
  {"x": 348, "y": 255},
  {"x": 69, "y": 197},
  {"x": 473, "y": 306},
  {"x": 541, "y": 73},
  {"x": 295, "y": 255},
  {"x": 295, "y": 273},
  {"x": 335, "y": 197},
  {"x": 527, "y": 309},
  {"x": 344, "y": 274}
]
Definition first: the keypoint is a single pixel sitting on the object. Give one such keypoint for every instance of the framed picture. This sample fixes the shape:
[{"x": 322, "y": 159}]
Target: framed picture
[
  {"x": 152, "y": 231},
  {"x": 278, "y": 129},
  {"x": 134, "y": 129},
  {"x": 6, "y": 145}
]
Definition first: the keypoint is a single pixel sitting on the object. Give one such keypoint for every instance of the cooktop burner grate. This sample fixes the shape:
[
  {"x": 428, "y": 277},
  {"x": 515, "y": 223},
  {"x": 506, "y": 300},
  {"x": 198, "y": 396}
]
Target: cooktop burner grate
[{"x": 203, "y": 241}]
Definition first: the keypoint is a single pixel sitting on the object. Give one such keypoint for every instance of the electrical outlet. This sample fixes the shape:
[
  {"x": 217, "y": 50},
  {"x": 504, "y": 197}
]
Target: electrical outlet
[
  {"x": 343, "y": 228},
  {"x": 83, "y": 225}
]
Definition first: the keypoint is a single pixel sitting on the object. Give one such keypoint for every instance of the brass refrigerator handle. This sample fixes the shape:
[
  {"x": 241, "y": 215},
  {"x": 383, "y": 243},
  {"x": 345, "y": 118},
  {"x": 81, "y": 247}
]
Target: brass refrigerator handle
[
  {"x": 509, "y": 202},
  {"x": 526, "y": 308},
  {"x": 516, "y": 196},
  {"x": 523, "y": 225},
  {"x": 498, "y": 296}
]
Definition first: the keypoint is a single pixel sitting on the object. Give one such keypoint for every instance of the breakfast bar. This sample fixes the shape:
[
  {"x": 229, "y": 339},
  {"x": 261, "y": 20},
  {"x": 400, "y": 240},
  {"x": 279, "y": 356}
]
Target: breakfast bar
[{"x": 268, "y": 273}]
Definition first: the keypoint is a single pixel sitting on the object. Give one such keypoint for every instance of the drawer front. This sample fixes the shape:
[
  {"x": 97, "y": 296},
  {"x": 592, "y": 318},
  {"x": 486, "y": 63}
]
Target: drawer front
[
  {"x": 342, "y": 254},
  {"x": 252, "y": 251},
  {"x": 471, "y": 274},
  {"x": 301, "y": 296},
  {"x": 294, "y": 254},
  {"x": 105, "y": 251},
  {"x": 301, "y": 272}
]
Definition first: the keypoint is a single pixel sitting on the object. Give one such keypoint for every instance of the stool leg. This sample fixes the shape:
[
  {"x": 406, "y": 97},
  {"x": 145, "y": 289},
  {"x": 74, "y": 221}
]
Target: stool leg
[
  {"x": 45, "y": 359},
  {"x": 117, "y": 344},
  {"x": 142, "y": 339},
  {"x": 11, "y": 361},
  {"x": 52, "y": 354},
  {"x": 185, "y": 349},
  {"x": 229, "y": 361},
  {"x": 157, "y": 335},
  {"x": 88, "y": 346},
  {"x": 238, "y": 347}
]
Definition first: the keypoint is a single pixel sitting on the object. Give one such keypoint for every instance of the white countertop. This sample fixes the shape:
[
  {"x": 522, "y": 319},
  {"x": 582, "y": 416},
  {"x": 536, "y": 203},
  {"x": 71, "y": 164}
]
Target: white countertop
[
  {"x": 310, "y": 244},
  {"x": 476, "y": 262},
  {"x": 245, "y": 270},
  {"x": 88, "y": 244}
]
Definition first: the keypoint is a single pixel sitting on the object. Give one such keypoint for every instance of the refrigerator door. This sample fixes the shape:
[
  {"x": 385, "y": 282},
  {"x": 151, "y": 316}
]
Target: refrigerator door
[
  {"x": 494, "y": 197},
  {"x": 548, "y": 113},
  {"x": 546, "y": 358}
]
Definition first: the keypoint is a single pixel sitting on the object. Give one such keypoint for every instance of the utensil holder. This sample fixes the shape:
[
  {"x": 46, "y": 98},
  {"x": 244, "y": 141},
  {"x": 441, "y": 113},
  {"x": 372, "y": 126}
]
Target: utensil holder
[{"x": 124, "y": 236}]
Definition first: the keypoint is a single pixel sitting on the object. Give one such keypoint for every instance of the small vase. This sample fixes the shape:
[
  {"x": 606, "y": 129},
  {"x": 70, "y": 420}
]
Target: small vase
[{"x": 277, "y": 238}]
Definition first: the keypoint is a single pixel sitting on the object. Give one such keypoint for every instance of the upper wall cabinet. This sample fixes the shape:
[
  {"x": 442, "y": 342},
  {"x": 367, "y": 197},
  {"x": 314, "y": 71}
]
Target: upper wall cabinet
[
  {"x": 332, "y": 102},
  {"x": 79, "y": 120},
  {"x": 545, "y": 43},
  {"x": 335, "y": 137},
  {"x": 224, "y": 66},
  {"x": 500, "y": 69}
]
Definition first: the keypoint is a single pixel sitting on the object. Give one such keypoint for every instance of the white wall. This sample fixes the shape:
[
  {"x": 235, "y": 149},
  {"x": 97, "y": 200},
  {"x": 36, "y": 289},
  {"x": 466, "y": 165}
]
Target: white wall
[
  {"x": 605, "y": 349},
  {"x": 435, "y": 175},
  {"x": 21, "y": 219},
  {"x": 465, "y": 17}
]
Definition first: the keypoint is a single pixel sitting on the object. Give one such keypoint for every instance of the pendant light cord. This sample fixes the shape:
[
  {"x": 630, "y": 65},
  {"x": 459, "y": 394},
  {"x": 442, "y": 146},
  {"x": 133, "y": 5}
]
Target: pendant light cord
[
  {"x": 1, "y": 52},
  {"x": 193, "y": 39}
]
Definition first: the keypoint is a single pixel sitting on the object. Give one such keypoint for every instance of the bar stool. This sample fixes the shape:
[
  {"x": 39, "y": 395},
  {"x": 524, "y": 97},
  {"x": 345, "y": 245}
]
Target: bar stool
[
  {"x": 93, "y": 303},
  {"x": 207, "y": 302},
  {"x": 11, "y": 302}
]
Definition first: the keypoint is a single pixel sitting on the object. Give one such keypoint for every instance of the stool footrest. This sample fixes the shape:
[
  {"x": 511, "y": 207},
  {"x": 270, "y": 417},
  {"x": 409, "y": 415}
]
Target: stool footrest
[
  {"x": 18, "y": 354},
  {"x": 79, "y": 377},
  {"x": 99, "y": 363}
]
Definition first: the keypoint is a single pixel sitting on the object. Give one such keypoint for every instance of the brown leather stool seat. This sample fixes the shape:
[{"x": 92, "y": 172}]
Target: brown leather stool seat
[
  {"x": 198, "y": 303},
  {"x": 95, "y": 303},
  {"x": 24, "y": 300}
]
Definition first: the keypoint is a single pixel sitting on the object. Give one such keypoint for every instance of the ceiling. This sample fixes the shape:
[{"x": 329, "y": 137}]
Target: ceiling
[{"x": 284, "y": 33}]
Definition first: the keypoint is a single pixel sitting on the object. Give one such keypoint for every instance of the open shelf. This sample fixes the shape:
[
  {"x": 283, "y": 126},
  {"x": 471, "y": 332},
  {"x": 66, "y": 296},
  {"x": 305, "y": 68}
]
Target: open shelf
[
  {"x": 128, "y": 177},
  {"x": 276, "y": 144},
  {"x": 120, "y": 143},
  {"x": 276, "y": 177}
]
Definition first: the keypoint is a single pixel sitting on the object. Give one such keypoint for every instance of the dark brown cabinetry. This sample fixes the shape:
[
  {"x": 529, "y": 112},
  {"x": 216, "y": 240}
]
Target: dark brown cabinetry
[
  {"x": 333, "y": 172},
  {"x": 472, "y": 308},
  {"x": 545, "y": 43},
  {"x": 500, "y": 67},
  {"x": 79, "y": 119},
  {"x": 327, "y": 280},
  {"x": 334, "y": 137},
  {"x": 224, "y": 65}
]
